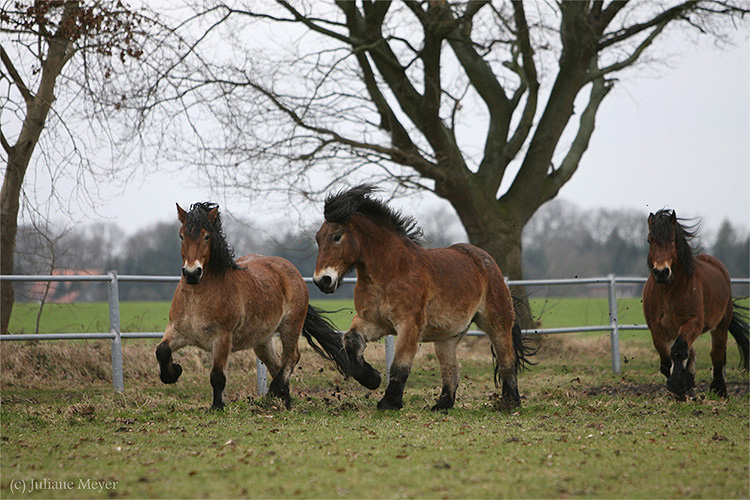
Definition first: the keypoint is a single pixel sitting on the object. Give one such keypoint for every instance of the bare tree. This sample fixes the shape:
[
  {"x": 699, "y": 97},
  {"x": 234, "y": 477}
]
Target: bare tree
[
  {"x": 457, "y": 98},
  {"x": 54, "y": 48}
]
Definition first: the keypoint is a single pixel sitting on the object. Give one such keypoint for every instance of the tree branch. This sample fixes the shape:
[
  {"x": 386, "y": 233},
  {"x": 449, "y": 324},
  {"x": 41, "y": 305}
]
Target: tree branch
[
  {"x": 6, "y": 145},
  {"x": 529, "y": 70},
  {"x": 557, "y": 178},
  {"x": 632, "y": 58},
  {"x": 409, "y": 158},
  {"x": 626, "y": 33},
  {"x": 311, "y": 25},
  {"x": 16, "y": 78}
]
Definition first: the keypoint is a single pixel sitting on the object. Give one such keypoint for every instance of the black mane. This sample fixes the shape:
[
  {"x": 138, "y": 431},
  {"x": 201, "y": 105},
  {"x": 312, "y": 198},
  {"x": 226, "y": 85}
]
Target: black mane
[
  {"x": 662, "y": 226},
  {"x": 222, "y": 255},
  {"x": 340, "y": 207}
]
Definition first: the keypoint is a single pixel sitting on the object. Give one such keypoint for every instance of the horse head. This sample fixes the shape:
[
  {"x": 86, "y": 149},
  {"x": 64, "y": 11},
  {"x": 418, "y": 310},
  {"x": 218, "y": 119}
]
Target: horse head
[
  {"x": 196, "y": 240},
  {"x": 338, "y": 251},
  {"x": 667, "y": 245},
  {"x": 662, "y": 249}
]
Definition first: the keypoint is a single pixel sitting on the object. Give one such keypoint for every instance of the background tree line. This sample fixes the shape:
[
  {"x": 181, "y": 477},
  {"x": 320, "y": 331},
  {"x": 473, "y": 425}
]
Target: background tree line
[
  {"x": 443, "y": 97},
  {"x": 560, "y": 241}
]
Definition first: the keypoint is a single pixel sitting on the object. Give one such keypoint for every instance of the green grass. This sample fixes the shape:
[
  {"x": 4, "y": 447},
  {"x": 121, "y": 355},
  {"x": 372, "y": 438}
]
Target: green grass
[
  {"x": 134, "y": 316},
  {"x": 581, "y": 432},
  {"x": 153, "y": 316}
]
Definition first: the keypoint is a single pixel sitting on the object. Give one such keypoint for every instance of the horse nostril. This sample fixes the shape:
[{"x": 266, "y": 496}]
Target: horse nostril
[
  {"x": 192, "y": 277},
  {"x": 326, "y": 281},
  {"x": 662, "y": 274}
]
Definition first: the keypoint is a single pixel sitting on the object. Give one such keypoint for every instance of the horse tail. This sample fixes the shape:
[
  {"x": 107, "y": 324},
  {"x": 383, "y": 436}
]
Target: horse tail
[
  {"x": 317, "y": 328},
  {"x": 741, "y": 333}
]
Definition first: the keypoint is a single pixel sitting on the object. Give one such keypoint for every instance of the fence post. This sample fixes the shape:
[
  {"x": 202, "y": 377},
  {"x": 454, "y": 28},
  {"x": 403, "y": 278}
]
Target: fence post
[
  {"x": 614, "y": 334},
  {"x": 261, "y": 373},
  {"x": 390, "y": 352},
  {"x": 113, "y": 296}
]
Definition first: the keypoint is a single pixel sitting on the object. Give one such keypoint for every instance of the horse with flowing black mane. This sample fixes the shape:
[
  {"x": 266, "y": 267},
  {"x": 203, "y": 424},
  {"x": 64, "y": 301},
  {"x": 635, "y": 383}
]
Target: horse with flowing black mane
[
  {"x": 685, "y": 296},
  {"x": 417, "y": 294},
  {"x": 223, "y": 305}
]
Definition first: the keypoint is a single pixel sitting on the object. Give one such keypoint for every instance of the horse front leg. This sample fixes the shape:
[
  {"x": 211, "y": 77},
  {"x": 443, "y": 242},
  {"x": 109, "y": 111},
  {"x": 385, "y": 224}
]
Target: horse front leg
[
  {"x": 169, "y": 372},
  {"x": 682, "y": 377},
  {"x": 218, "y": 380},
  {"x": 355, "y": 344},
  {"x": 406, "y": 348}
]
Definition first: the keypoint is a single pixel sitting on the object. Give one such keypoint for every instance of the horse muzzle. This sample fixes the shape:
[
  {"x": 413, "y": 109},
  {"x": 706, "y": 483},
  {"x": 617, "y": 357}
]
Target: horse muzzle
[
  {"x": 327, "y": 281},
  {"x": 192, "y": 277},
  {"x": 662, "y": 275}
]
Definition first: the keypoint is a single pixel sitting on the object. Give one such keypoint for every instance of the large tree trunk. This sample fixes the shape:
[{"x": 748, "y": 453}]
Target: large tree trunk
[
  {"x": 19, "y": 156},
  {"x": 9, "y": 205}
]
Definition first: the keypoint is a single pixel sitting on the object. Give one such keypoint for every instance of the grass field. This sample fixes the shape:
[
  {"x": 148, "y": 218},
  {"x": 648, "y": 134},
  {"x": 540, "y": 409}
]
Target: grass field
[
  {"x": 153, "y": 316},
  {"x": 580, "y": 432}
]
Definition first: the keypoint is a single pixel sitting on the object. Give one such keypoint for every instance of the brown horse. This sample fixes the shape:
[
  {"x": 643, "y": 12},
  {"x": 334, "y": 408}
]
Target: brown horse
[
  {"x": 222, "y": 305},
  {"x": 420, "y": 295},
  {"x": 685, "y": 296}
]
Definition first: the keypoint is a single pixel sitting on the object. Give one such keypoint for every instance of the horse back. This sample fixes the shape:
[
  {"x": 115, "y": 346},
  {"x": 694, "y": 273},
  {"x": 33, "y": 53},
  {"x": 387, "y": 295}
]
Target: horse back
[
  {"x": 272, "y": 279},
  {"x": 467, "y": 275}
]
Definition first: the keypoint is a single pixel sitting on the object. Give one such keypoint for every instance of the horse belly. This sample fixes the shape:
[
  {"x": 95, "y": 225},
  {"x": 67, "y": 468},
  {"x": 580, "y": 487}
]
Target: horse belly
[
  {"x": 443, "y": 323},
  {"x": 254, "y": 329}
]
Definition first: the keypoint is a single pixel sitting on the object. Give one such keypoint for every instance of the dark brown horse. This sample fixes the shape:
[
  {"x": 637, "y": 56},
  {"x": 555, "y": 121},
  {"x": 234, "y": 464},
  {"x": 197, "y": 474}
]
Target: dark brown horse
[
  {"x": 685, "y": 296},
  {"x": 222, "y": 305},
  {"x": 417, "y": 294}
]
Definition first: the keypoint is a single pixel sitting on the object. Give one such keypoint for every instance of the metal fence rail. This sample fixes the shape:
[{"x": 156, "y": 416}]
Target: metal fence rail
[{"x": 115, "y": 334}]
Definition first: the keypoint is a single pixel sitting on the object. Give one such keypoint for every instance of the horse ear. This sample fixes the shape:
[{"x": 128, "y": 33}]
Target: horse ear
[
  {"x": 673, "y": 217},
  {"x": 650, "y": 218},
  {"x": 181, "y": 214},
  {"x": 213, "y": 214}
]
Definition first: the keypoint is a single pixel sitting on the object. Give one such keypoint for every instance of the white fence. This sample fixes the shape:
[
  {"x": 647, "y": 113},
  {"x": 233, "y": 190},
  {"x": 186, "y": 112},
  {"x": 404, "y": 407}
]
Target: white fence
[{"x": 116, "y": 335}]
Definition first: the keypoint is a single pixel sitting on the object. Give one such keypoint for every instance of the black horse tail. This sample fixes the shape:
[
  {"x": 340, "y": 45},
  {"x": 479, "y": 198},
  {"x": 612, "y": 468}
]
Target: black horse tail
[
  {"x": 741, "y": 333},
  {"x": 331, "y": 346},
  {"x": 524, "y": 346}
]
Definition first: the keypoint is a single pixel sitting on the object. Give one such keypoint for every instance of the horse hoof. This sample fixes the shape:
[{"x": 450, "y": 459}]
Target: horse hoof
[
  {"x": 506, "y": 404},
  {"x": 386, "y": 404},
  {"x": 368, "y": 377},
  {"x": 719, "y": 389},
  {"x": 171, "y": 378},
  {"x": 217, "y": 407},
  {"x": 441, "y": 407},
  {"x": 678, "y": 387}
]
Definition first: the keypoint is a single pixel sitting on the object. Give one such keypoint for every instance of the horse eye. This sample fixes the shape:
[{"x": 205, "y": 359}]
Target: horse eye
[
  {"x": 180, "y": 237},
  {"x": 207, "y": 237},
  {"x": 336, "y": 237}
]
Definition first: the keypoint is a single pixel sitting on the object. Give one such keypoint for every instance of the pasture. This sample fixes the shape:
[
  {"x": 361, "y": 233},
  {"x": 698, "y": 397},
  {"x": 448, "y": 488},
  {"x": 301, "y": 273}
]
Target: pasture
[{"x": 580, "y": 432}]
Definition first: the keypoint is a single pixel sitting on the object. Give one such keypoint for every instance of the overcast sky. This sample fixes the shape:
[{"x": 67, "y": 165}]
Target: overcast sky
[{"x": 674, "y": 137}]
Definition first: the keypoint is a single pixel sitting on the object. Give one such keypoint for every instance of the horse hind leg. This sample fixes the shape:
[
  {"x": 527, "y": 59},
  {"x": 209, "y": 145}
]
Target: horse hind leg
[
  {"x": 719, "y": 360},
  {"x": 506, "y": 364},
  {"x": 446, "y": 354},
  {"x": 268, "y": 355},
  {"x": 289, "y": 358}
]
